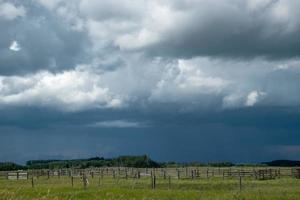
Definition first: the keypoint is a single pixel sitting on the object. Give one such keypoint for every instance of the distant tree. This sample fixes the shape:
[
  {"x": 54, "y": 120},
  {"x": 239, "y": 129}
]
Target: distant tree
[{"x": 9, "y": 166}]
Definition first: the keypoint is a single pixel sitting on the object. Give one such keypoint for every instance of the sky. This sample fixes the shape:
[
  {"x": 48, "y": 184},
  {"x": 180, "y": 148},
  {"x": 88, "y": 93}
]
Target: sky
[{"x": 182, "y": 80}]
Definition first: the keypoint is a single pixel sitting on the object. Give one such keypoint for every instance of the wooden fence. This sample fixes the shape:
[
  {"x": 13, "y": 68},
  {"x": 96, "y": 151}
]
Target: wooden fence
[
  {"x": 177, "y": 173},
  {"x": 167, "y": 175}
]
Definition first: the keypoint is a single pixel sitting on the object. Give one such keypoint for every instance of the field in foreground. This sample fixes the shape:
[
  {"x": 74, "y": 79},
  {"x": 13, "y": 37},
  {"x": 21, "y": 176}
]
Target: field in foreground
[{"x": 113, "y": 189}]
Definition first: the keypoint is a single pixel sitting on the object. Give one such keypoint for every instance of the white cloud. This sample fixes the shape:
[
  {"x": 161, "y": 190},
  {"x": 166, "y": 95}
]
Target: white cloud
[
  {"x": 182, "y": 81},
  {"x": 70, "y": 91},
  {"x": 158, "y": 18},
  {"x": 118, "y": 124},
  {"x": 124, "y": 37},
  {"x": 9, "y": 11},
  {"x": 236, "y": 100},
  {"x": 233, "y": 101},
  {"x": 253, "y": 97},
  {"x": 187, "y": 83},
  {"x": 14, "y": 46},
  {"x": 290, "y": 64},
  {"x": 282, "y": 67}
]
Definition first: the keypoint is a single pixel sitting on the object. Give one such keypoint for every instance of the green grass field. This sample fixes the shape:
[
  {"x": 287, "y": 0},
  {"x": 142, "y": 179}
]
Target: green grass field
[{"x": 113, "y": 189}]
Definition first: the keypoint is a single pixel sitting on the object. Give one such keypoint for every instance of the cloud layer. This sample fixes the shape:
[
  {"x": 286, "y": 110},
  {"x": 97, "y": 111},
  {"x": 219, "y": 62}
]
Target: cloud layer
[
  {"x": 191, "y": 54},
  {"x": 167, "y": 78}
]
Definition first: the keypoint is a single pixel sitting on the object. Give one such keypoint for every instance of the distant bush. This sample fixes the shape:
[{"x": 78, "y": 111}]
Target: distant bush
[
  {"x": 283, "y": 163},
  {"x": 9, "y": 166}
]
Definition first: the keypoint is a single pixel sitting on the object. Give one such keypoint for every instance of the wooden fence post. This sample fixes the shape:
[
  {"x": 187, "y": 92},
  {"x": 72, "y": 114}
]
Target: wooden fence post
[
  {"x": 32, "y": 182},
  {"x": 84, "y": 180},
  {"x": 240, "y": 182},
  {"x": 207, "y": 170},
  {"x": 72, "y": 181},
  {"x": 169, "y": 182},
  {"x": 153, "y": 181},
  {"x": 193, "y": 175},
  {"x": 48, "y": 174}
]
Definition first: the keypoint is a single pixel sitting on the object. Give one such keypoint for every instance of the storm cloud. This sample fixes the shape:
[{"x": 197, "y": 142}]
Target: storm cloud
[
  {"x": 44, "y": 43},
  {"x": 158, "y": 67}
]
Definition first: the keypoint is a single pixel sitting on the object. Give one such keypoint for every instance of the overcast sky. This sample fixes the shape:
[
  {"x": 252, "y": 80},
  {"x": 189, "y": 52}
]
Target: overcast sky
[{"x": 180, "y": 80}]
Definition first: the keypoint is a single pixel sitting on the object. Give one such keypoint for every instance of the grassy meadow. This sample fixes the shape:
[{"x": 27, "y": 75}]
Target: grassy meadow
[{"x": 120, "y": 188}]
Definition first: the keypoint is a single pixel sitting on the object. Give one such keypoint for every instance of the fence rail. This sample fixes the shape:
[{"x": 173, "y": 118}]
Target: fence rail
[
  {"x": 155, "y": 177},
  {"x": 178, "y": 173}
]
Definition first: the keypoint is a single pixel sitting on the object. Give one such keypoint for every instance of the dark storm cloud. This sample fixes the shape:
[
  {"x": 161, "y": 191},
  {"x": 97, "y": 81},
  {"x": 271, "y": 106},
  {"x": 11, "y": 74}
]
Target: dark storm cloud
[
  {"x": 220, "y": 42},
  {"x": 233, "y": 29},
  {"x": 240, "y": 136},
  {"x": 46, "y": 43}
]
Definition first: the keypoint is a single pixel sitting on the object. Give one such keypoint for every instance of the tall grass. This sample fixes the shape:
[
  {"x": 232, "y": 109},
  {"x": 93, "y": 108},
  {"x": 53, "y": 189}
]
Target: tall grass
[{"x": 117, "y": 189}]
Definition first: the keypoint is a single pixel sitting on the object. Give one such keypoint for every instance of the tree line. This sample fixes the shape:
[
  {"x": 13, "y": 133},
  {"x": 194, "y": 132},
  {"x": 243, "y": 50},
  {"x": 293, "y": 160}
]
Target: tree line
[{"x": 142, "y": 161}]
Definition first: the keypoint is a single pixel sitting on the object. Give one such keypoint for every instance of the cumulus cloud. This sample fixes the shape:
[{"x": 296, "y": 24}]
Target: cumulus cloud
[
  {"x": 197, "y": 28},
  {"x": 14, "y": 46},
  {"x": 203, "y": 54},
  {"x": 198, "y": 83},
  {"x": 253, "y": 97},
  {"x": 70, "y": 91},
  {"x": 183, "y": 82},
  {"x": 9, "y": 11}
]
